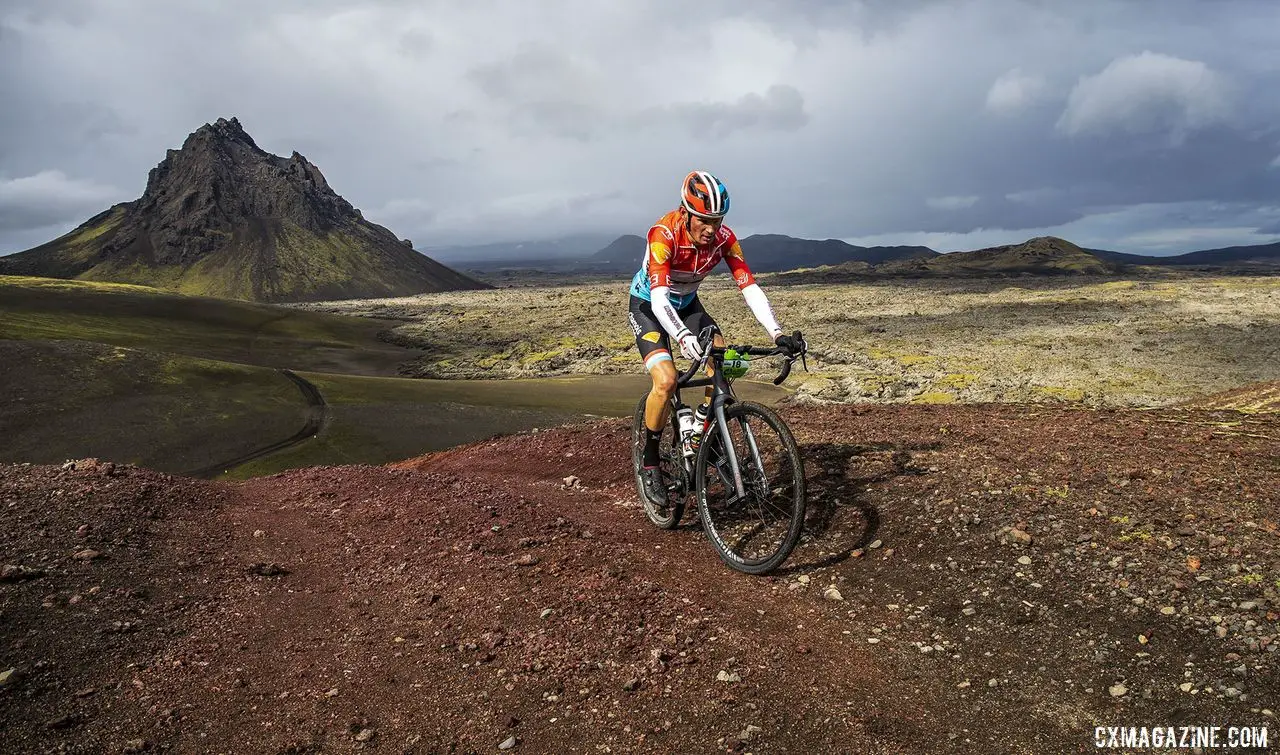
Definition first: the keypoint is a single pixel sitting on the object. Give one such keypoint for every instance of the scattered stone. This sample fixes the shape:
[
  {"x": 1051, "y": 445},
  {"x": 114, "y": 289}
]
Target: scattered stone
[
  {"x": 136, "y": 745},
  {"x": 268, "y": 570},
  {"x": 631, "y": 685},
  {"x": 527, "y": 559},
  {"x": 832, "y": 593},
  {"x": 88, "y": 554},
  {"x": 1168, "y": 610},
  {"x": 873, "y": 640},
  {"x": 1118, "y": 690},
  {"x": 332, "y": 693},
  {"x": 1020, "y": 536},
  {"x": 8, "y": 677},
  {"x": 1024, "y": 560},
  {"x": 875, "y": 544},
  {"x": 85, "y": 692},
  {"x": 1186, "y": 686},
  {"x": 508, "y": 743},
  {"x": 728, "y": 676},
  {"x": 571, "y": 481},
  {"x": 1248, "y": 605},
  {"x": 365, "y": 735},
  {"x": 804, "y": 579},
  {"x": 545, "y": 613},
  {"x": 62, "y": 722},
  {"x": 1220, "y": 630},
  {"x": 993, "y": 682},
  {"x": 259, "y": 533}
]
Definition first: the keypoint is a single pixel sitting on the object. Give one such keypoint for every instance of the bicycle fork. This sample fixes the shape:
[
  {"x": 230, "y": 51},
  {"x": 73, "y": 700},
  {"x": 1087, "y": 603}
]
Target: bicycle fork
[{"x": 731, "y": 453}]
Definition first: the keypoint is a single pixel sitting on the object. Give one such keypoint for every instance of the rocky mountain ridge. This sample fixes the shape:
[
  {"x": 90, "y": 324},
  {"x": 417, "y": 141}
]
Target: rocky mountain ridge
[{"x": 222, "y": 217}]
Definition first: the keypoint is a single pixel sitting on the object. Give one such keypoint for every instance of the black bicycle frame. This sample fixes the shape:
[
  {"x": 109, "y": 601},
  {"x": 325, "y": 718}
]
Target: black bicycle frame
[{"x": 721, "y": 397}]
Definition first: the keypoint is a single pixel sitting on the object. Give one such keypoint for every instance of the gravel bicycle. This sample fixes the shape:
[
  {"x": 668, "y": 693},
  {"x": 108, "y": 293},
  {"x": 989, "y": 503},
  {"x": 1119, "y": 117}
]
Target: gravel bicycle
[{"x": 746, "y": 473}]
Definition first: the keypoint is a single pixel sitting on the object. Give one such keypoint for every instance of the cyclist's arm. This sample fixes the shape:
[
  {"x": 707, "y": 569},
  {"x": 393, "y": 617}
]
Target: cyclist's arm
[
  {"x": 751, "y": 290},
  {"x": 659, "y": 264}
]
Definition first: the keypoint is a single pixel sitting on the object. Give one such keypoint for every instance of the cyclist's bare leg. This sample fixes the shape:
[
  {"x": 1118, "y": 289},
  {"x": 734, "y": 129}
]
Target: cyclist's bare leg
[{"x": 658, "y": 408}]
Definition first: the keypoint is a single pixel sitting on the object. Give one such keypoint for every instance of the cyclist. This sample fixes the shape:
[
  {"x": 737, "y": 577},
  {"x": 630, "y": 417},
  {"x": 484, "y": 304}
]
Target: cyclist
[{"x": 683, "y": 247}]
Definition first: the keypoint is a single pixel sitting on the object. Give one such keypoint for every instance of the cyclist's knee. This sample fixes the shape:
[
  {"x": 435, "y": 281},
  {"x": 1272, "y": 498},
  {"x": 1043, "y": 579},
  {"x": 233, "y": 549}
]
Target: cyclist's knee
[{"x": 664, "y": 380}]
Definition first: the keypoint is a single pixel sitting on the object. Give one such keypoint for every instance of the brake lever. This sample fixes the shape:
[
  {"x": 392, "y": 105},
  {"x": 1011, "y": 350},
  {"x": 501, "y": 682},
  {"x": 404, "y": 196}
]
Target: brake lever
[{"x": 786, "y": 370}]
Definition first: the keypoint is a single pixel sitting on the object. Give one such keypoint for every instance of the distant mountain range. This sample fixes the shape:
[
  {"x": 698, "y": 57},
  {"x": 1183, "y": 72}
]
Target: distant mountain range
[
  {"x": 765, "y": 252},
  {"x": 1045, "y": 255},
  {"x": 579, "y": 245},
  {"x": 222, "y": 217},
  {"x": 1260, "y": 254}
]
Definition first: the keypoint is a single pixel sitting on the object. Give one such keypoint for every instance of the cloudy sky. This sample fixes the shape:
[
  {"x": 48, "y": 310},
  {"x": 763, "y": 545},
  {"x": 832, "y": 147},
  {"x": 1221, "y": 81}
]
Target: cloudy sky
[{"x": 1126, "y": 124}]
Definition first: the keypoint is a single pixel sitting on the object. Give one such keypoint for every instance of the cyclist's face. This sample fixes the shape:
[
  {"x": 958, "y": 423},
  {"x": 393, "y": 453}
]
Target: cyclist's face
[{"x": 703, "y": 230}]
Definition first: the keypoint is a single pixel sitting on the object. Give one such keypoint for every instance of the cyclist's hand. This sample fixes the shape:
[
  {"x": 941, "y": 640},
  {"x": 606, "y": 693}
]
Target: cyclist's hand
[
  {"x": 689, "y": 346},
  {"x": 792, "y": 344}
]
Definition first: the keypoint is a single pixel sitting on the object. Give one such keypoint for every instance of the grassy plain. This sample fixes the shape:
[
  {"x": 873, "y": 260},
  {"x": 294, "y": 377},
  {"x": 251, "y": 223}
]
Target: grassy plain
[
  {"x": 223, "y": 329},
  {"x": 119, "y": 372}
]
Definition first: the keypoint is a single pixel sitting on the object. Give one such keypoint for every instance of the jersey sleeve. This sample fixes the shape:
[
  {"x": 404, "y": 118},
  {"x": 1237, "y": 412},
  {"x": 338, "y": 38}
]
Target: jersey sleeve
[
  {"x": 658, "y": 259},
  {"x": 737, "y": 263}
]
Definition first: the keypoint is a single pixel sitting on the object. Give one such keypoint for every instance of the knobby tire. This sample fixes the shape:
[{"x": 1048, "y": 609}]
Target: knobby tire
[{"x": 793, "y": 507}]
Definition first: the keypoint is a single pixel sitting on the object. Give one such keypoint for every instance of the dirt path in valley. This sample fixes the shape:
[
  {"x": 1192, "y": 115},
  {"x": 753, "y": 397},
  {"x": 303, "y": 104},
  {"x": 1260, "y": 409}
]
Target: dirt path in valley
[
  {"x": 1011, "y": 577},
  {"x": 317, "y": 416}
]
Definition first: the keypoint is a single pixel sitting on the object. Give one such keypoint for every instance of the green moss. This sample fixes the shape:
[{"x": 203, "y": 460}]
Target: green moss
[
  {"x": 935, "y": 397},
  {"x": 1062, "y": 394},
  {"x": 957, "y": 380}
]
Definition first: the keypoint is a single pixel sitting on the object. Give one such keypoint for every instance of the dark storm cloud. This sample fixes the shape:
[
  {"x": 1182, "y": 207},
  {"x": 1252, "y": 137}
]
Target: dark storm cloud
[
  {"x": 49, "y": 199},
  {"x": 489, "y": 120},
  {"x": 780, "y": 108}
]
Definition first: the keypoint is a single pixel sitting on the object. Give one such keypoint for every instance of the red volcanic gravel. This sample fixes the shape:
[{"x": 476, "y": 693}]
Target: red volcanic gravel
[{"x": 1009, "y": 577}]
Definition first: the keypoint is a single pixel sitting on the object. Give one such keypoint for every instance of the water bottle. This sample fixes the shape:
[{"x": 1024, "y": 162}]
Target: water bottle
[
  {"x": 699, "y": 422},
  {"x": 685, "y": 416}
]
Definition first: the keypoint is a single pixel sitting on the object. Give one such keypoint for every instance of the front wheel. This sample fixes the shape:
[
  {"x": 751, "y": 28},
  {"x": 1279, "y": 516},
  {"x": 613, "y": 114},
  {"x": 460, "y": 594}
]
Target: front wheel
[
  {"x": 665, "y": 517},
  {"x": 756, "y": 532}
]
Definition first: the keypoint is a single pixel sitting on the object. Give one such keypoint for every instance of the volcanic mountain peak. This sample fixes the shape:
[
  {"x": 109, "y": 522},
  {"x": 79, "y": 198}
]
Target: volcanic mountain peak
[{"x": 221, "y": 216}]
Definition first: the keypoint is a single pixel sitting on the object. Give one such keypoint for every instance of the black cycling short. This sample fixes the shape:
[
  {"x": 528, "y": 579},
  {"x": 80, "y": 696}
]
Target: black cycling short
[{"x": 651, "y": 339}]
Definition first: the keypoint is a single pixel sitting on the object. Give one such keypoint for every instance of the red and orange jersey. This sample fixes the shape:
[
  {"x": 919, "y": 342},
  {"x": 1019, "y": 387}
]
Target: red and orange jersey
[{"x": 674, "y": 261}]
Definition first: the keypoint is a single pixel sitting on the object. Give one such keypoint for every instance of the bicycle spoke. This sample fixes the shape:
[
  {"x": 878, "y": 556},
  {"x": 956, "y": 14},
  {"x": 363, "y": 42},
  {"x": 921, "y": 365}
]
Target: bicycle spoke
[{"x": 761, "y": 525}]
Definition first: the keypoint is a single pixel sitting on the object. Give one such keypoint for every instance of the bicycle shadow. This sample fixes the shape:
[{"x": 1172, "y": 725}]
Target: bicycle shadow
[{"x": 839, "y": 519}]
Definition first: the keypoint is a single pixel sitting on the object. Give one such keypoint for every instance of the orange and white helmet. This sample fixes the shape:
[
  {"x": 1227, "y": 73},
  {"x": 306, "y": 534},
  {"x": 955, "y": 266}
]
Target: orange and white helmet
[{"x": 704, "y": 195}]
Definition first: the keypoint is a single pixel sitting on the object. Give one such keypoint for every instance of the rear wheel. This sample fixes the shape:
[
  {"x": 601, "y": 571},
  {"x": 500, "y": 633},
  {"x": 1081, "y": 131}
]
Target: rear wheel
[
  {"x": 665, "y": 517},
  {"x": 757, "y": 532}
]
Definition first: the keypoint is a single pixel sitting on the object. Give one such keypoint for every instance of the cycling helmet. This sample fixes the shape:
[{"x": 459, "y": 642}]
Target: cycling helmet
[{"x": 704, "y": 195}]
